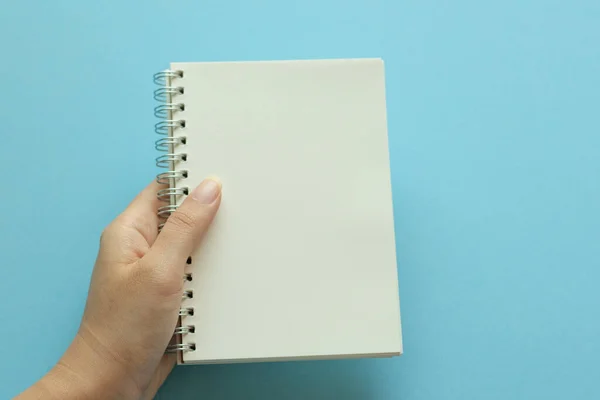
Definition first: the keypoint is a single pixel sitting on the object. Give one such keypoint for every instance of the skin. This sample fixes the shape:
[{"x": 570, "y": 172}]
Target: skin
[{"x": 133, "y": 302}]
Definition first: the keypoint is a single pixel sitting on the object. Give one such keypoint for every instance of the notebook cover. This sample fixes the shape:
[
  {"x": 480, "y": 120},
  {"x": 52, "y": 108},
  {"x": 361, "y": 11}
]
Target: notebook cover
[{"x": 300, "y": 261}]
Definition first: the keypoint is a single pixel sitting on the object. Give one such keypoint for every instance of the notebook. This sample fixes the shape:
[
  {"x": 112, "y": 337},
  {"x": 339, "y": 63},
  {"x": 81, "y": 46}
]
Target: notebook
[{"x": 300, "y": 261}]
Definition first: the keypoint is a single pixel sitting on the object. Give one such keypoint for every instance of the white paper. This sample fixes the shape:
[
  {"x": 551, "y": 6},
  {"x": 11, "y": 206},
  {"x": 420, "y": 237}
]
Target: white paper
[{"x": 300, "y": 262}]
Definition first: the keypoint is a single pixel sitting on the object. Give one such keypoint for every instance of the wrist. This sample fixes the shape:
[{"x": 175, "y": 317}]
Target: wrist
[{"x": 83, "y": 373}]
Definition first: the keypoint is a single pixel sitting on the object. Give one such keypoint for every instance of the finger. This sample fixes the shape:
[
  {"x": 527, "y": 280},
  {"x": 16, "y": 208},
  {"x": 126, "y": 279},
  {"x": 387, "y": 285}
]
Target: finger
[
  {"x": 185, "y": 227},
  {"x": 140, "y": 214}
]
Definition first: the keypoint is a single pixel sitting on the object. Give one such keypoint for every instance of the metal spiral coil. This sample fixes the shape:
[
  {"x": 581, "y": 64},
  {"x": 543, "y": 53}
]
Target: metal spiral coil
[
  {"x": 166, "y": 160},
  {"x": 163, "y": 144},
  {"x": 164, "y": 178},
  {"x": 163, "y": 78},
  {"x": 166, "y": 127},
  {"x": 166, "y": 194},
  {"x": 171, "y": 144},
  {"x": 174, "y": 348},
  {"x": 186, "y": 311},
  {"x": 162, "y": 94},
  {"x": 163, "y": 110},
  {"x": 184, "y": 330},
  {"x": 167, "y": 210}
]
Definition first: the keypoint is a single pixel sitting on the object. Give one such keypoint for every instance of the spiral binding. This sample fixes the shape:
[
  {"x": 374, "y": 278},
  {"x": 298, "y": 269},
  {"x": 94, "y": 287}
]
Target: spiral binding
[{"x": 171, "y": 143}]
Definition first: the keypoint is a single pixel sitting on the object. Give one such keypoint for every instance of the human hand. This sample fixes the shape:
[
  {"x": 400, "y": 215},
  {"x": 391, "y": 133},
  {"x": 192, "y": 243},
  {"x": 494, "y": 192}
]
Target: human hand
[{"x": 133, "y": 302}]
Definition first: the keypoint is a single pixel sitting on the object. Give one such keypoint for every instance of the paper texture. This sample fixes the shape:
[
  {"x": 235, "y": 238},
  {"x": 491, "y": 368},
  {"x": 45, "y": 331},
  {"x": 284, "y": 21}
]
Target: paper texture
[{"x": 300, "y": 262}]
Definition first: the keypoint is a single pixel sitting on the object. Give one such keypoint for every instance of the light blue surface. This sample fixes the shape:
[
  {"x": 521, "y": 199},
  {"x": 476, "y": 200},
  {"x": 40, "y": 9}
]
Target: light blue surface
[{"x": 494, "y": 117}]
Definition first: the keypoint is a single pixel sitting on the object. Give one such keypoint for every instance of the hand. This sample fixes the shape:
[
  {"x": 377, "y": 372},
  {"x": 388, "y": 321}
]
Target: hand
[{"x": 133, "y": 302}]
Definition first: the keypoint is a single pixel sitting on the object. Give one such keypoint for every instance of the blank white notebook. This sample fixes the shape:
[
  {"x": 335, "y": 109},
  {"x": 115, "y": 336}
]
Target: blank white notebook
[{"x": 300, "y": 261}]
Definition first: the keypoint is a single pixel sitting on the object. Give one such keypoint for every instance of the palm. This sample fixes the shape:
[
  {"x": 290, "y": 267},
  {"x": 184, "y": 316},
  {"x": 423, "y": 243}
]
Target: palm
[{"x": 124, "y": 244}]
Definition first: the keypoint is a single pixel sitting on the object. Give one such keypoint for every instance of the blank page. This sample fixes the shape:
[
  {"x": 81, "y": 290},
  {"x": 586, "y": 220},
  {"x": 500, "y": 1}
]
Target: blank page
[{"x": 300, "y": 262}]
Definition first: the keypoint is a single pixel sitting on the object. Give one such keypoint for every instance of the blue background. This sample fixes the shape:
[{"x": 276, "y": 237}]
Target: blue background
[{"x": 494, "y": 121}]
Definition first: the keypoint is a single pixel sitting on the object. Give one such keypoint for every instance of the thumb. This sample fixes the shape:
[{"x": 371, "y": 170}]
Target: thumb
[{"x": 186, "y": 226}]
